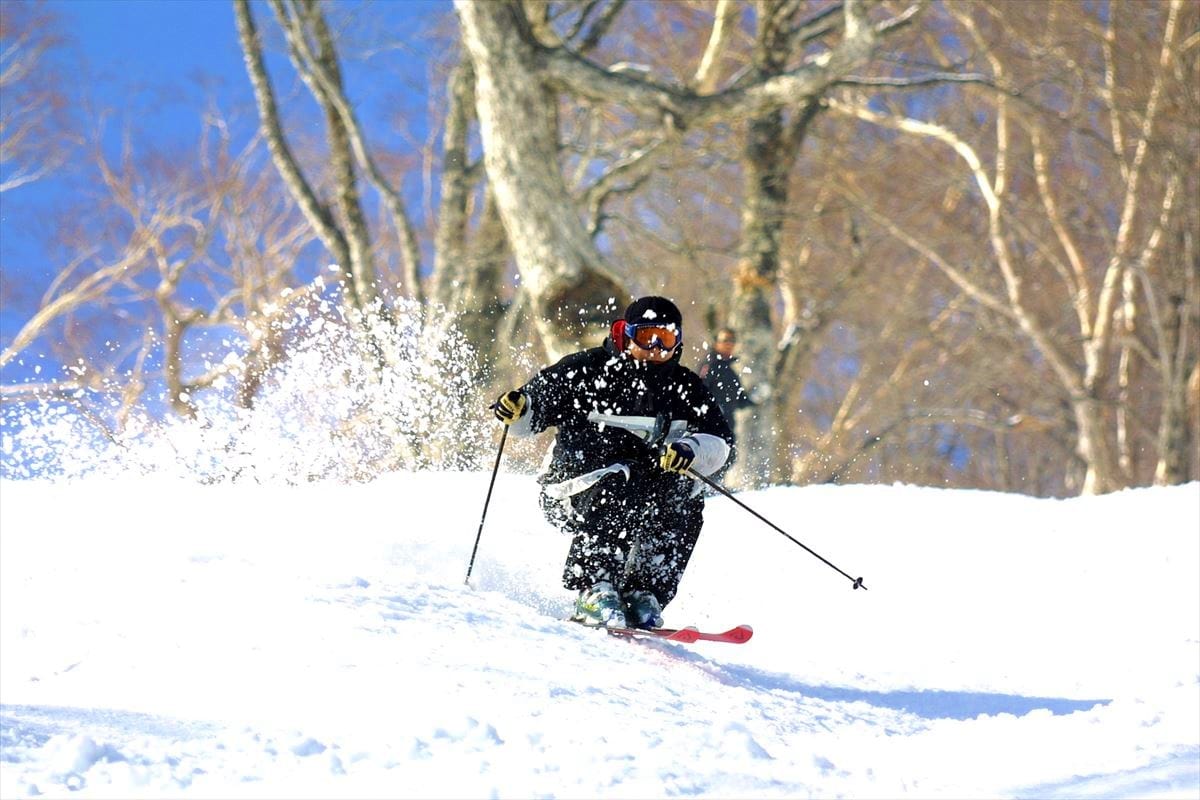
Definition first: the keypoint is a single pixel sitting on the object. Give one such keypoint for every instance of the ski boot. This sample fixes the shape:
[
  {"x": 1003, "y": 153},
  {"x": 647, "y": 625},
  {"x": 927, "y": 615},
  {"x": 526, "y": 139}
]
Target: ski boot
[
  {"x": 642, "y": 610},
  {"x": 600, "y": 606}
]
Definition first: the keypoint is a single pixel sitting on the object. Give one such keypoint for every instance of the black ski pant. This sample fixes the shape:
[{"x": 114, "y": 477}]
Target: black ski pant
[{"x": 636, "y": 534}]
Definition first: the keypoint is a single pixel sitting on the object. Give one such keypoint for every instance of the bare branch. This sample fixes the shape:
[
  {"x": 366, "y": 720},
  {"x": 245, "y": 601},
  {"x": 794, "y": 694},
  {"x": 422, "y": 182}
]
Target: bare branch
[
  {"x": 1102, "y": 328},
  {"x": 823, "y": 22},
  {"x": 317, "y": 74},
  {"x": 919, "y": 81},
  {"x": 724, "y": 19},
  {"x": 788, "y": 89},
  {"x": 591, "y": 40},
  {"x": 626, "y": 173},
  {"x": 314, "y": 210}
]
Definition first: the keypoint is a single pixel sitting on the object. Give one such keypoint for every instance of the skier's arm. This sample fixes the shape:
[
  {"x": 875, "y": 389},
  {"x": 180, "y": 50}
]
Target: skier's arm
[
  {"x": 710, "y": 452},
  {"x": 710, "y": 438},
  {"x": 549, "y": 394}
]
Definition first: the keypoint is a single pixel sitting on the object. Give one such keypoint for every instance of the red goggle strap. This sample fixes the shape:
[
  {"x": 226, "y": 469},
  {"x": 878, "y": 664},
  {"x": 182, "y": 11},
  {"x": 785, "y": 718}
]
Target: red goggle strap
[{"x": 617, "y": 333}]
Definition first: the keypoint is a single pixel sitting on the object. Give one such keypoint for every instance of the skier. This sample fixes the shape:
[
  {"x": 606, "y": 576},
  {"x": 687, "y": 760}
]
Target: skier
[
  {"x": 719, "y": 376},
  {"x": 631, "y": 420}
]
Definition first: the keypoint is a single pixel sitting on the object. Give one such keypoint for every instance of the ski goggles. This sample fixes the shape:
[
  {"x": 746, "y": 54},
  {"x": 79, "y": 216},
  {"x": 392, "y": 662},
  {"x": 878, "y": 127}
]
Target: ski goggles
[{"x": 649, "y": 336}]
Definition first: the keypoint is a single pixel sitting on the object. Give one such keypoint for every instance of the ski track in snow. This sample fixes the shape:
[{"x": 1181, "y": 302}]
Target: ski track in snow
[{"x": 318, "y": 642}]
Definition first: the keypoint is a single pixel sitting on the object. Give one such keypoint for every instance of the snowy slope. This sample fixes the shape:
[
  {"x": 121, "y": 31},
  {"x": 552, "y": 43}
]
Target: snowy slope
[{"x": 159, "y": 638}]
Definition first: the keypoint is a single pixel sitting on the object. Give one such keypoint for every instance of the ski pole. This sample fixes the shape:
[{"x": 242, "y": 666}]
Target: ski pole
[
  {"x": 858, "y": 582},
  {"x": 486, "y": 502}
]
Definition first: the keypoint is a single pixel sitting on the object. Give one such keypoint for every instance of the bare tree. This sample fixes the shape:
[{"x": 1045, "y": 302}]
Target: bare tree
[
  {"x": 1016, "y": 248},
  {"x": 519, "y": 67},
  {"x": 468, "y": 271},
  {"x": 773, "y": 142},
  {"x": 35, "y": 139},
  {"x": 961, "y": 254},
  {"x": 203, "y": 244},
  {"x": 343, "y": 226}
]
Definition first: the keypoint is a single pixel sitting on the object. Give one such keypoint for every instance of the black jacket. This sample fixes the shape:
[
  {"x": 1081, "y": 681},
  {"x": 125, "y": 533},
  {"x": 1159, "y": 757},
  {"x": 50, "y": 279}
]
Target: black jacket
[
  {"x": 721, "y": 379},
  {"x": 602, "y": 380}
]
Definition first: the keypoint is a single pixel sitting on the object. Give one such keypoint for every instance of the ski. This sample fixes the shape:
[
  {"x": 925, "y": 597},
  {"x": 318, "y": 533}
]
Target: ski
[{"x": 736, "y": 635}]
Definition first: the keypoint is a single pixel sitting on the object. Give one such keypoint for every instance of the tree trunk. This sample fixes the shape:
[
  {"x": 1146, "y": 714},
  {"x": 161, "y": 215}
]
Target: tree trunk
[
  {"x": 314, "y": 210},
  {"x": 764, "y": 208},
  {"x": 1093, "y": 447},
  {"x": 574, "y": 295},
  {"x": 1174, "y": 434},
  {"x": 450, "y": 240},
  {"x": 468, "y": 276},
  {"x": 481, "y": 307},
  {"x": 341, "y": 162},
  {"x": 772, "y": 143}
]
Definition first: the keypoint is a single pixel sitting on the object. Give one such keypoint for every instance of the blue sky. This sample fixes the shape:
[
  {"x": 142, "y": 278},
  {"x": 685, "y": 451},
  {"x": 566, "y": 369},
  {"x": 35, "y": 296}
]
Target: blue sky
[
  {"x": 117, "y": 55},
  {"x": 151, "y": 66}
]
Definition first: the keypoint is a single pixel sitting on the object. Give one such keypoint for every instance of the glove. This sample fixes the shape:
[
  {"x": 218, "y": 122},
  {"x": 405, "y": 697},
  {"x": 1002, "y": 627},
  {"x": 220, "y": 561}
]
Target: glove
[
  {"x": 510, "y": 407},
  {"x": 676, "y": 457}
]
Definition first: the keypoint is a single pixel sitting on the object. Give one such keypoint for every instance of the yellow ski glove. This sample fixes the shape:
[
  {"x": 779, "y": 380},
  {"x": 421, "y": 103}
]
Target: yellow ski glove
[
  {"x": 510, "y": 407},
  {"x": 676, "y": 457}
]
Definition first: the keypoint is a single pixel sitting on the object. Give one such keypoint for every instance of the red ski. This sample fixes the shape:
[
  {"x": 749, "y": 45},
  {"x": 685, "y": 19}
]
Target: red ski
[{"x": 739, "y": 635}]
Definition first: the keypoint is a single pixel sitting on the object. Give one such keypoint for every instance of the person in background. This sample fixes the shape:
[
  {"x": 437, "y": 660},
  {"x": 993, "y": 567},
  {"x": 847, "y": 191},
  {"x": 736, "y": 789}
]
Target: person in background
[
  {"x": 721, "y": 379},
  {"x": 632, "y": 421}
]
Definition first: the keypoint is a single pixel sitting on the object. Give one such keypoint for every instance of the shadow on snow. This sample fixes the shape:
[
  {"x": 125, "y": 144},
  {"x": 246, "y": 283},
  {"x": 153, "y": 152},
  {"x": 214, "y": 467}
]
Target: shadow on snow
[
  {"x": 33, "y": 726},
  {"x": 1178, "y": 773},
  {"x": 926, "y": 704}
]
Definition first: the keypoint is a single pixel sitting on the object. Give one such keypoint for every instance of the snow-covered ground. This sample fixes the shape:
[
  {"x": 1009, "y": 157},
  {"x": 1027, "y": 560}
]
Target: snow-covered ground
[{"x": 161, "y": 638}]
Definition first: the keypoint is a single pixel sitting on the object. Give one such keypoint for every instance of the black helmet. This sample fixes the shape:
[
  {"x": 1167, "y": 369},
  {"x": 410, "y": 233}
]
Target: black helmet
[
  {"x": 653, "y": 309},
  {"x": 653, "y": 322}
]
